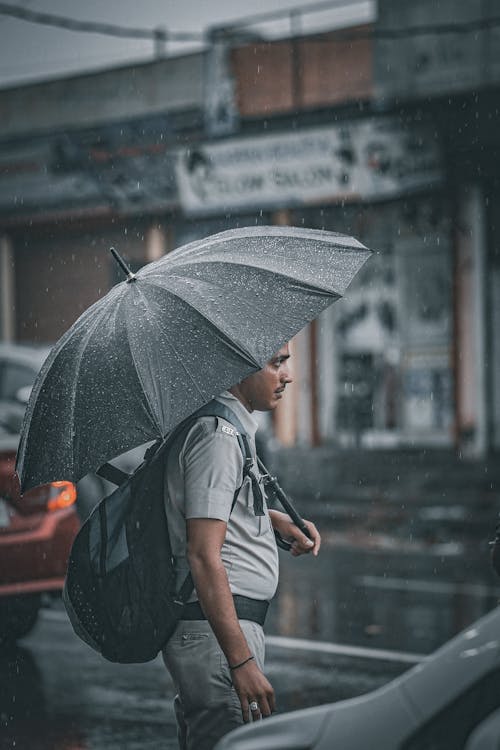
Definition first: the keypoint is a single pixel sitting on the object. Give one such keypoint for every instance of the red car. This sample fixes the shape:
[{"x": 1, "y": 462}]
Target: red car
[{"x": 36, "y": 530}]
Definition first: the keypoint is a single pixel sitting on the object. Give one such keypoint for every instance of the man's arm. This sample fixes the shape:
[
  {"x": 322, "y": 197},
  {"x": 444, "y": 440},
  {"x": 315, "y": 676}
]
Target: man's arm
[{"x": 205, "y": 537}]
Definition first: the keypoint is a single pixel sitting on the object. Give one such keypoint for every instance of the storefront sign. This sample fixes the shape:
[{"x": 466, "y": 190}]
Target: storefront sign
[
  {"x": 362, "y": 160},
  {"x": 125, "y": 166}
]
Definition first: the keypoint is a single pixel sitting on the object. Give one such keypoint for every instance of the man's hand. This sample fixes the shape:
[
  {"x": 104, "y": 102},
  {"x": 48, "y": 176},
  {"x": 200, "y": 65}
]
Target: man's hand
[
  {"x": 252, "y": 685},
  {"x": 301, "y": 545}
]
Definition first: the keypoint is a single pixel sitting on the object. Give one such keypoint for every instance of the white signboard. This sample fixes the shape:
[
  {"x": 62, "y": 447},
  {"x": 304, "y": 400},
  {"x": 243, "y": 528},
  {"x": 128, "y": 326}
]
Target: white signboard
[{"x": 366, "y": 159}]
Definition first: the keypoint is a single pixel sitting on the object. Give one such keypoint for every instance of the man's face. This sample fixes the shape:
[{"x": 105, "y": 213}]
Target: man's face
[{"x": 263, "y": 390}]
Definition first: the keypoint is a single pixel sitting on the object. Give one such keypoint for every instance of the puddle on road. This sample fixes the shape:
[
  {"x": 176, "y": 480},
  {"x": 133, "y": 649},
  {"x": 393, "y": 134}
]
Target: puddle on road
[
  {"x": 388, "y": 579},
  {"x": 47, "y": 702}
]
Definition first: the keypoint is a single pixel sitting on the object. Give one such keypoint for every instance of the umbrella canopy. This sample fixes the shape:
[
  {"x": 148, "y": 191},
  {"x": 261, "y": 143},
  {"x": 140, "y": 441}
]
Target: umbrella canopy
[{"x": 170, "y": 338}]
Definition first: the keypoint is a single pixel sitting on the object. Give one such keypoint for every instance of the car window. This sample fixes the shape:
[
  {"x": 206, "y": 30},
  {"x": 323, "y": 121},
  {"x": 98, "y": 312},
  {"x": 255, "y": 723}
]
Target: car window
[
  {"x": 14, "y": 377},
  {"x": 451, "y": 727}
]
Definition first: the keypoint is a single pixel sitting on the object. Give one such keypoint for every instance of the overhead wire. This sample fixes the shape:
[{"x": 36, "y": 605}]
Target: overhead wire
[
  {"x": 97, "y": 27},
  {"x": 164, "y": 35}
]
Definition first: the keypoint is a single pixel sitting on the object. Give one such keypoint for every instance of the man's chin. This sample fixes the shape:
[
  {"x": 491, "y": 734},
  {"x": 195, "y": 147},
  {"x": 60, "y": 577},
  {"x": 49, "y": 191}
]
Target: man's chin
[{"x": 271, "y": 404}]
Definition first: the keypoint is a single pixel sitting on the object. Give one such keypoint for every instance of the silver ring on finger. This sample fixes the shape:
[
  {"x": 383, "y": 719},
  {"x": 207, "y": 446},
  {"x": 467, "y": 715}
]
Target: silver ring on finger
[{"x": 254, "y": 706}]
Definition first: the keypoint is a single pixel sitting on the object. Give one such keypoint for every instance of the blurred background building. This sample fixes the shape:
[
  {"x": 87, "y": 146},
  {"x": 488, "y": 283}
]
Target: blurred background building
[{"x": 386, "y": 130}]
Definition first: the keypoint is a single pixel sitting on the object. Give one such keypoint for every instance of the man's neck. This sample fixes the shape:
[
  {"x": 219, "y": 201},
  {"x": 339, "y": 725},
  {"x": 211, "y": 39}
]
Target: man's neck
[{"x": 236, "y": 392}]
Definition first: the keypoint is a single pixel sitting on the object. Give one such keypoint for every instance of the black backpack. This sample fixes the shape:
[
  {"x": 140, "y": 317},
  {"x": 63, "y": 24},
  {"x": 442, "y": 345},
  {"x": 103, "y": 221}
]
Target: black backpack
[{"x": 120, "y": 585}]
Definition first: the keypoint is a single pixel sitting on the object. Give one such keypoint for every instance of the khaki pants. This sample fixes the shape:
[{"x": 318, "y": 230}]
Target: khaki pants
[{"x": 206, "y": 705}]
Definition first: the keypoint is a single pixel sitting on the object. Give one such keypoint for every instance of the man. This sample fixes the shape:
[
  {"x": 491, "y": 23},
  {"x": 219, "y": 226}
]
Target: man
[{"x": 216, "y": 655}]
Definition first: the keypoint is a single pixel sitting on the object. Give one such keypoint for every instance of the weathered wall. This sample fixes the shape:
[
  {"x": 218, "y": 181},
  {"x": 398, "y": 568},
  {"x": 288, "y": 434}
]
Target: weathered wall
[
  {"x": 169, "y": 85},
  {"x": 311, "y": 72},
  {"x": 61, "y": 271},
  {"x": 411, "y": 65}
]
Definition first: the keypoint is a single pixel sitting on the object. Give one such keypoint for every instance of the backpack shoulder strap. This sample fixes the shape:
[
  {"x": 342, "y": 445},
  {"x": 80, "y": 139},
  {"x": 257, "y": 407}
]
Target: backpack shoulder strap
[
  {"x": 117, "y": 476},
  {"x": 112, "y": 474},
  {"x": 215, "y": 409}
]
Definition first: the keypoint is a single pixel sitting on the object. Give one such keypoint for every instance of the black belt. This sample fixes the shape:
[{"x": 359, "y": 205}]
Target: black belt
[{"x": 246, "y": 609}]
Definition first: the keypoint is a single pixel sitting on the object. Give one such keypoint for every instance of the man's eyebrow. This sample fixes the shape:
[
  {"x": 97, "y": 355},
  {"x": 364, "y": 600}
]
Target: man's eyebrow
[{"x": 282, "y": 356}]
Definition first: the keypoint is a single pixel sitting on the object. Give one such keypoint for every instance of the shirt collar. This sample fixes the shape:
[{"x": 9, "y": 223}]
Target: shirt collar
[{"x": 247, "y": 420}]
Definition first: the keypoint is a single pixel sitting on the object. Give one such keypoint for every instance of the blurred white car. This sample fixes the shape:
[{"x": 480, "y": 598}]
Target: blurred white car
[
  {"x": 450, "y": 701},
  {"x": 19, "y": 366}
]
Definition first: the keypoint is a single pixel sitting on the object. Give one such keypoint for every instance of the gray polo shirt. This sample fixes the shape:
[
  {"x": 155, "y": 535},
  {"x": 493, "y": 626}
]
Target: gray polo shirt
[{"x": 204, "y": 470}]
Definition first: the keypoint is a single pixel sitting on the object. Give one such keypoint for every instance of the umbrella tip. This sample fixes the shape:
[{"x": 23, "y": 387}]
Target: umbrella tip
[{"x": 116, "y": 255}]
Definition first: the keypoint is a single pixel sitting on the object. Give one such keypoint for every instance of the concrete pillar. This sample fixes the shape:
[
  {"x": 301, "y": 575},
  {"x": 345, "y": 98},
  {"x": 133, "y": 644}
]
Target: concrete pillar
[
  {"x": 314, "y": 368},
  {"x": 493, "y": 319},
  {"x": 7, "y": 290},
  {"x": 302, "y": 356},
  {"x": 285, "y": 415},
  {"x": 156, "y": 243},
  {"x": 289, "y": 415},
  {"x": 327, "y": 374},
  {"x": 470, "y": 322}
]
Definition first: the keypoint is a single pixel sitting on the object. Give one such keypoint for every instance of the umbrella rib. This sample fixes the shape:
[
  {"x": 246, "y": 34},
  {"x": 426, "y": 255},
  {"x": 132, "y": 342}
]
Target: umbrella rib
[
  {"x": 235, "y": 346},
  {"x": 241, "y": 302},
  {"x": 203, "y": 314},
  {"x": 270, "y": 231},
  {"x": 179, "y": 359},
  {"x": 40, "y": 380},
  {"x": 315, "y": 288},
  {"x": 85, "y": 341},
  {"x": 304, "y": 285},
  {"x": 139, "y": 377}
]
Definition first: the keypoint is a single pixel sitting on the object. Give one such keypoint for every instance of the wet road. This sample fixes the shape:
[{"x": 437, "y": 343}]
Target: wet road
[
  {"x": 389, "y": 577},
  {"x": 384, "y": 580},
  {"x": 56, "y": 694}
]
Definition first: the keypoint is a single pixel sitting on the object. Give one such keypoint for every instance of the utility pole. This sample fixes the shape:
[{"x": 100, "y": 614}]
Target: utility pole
[{"x": 160, "y": 39}]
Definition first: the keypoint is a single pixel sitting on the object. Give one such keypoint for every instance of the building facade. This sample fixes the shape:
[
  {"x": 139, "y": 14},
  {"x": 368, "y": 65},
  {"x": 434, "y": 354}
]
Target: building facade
[{"x": 353, "y": 130}]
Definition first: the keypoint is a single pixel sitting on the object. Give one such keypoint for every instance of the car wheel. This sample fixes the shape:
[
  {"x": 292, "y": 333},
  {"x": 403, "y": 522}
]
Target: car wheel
[{"x": 18, "y": 616}]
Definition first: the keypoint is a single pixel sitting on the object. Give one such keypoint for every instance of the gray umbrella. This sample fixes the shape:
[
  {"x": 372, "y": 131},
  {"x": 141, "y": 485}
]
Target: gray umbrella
[{"x": 173, "y": 336}]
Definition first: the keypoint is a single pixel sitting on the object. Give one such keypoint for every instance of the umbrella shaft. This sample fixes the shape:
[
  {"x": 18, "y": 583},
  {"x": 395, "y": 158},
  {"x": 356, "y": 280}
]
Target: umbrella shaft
[
  {"x": 122, "y": 264},
  {"x": 284, "y": 500}
]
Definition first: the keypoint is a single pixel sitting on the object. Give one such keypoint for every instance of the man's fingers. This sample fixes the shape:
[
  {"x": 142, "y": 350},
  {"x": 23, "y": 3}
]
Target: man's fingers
[
  {"x": 302, "y": 544},
  {"x": 245, "y": 710},
  {"x": 255, "y": 708},
  {"x": 266, "y": 704},
  {"x": 316, "y": 538},
  {"x": 262, "y": 706},
  {"x": 256, "y": 713},
  {"x": 305, "y": 542},
  {"x": 265, "y": 709}
]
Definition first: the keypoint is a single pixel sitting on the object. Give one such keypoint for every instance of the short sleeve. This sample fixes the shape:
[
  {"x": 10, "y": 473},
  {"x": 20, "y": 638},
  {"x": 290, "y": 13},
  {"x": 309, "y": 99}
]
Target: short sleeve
[{"x": 212, "y": 466}]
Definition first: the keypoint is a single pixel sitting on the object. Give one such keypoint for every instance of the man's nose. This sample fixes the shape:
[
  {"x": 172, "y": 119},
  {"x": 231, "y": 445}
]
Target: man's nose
[{"x": 286, "y": 375}]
